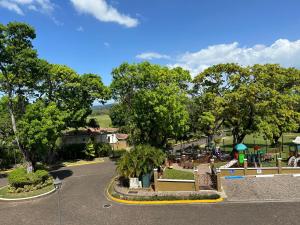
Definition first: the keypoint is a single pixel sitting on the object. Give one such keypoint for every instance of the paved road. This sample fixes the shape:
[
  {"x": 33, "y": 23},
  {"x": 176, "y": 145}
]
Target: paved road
[{"x": 83, "y": 199}]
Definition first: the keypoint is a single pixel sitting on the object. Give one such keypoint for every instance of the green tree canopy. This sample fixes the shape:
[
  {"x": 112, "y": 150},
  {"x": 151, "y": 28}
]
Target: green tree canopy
[{"x": 153, "y": 98}]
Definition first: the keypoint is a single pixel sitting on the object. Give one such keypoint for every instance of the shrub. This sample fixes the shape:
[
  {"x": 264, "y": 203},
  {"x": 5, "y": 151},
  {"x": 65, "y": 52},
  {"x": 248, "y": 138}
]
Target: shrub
[
  {"x": 118, "y": 153},
  {"x": 89, "y": 150},
  {"x": 72, "y": 151},
  {"x": 103, "y": 149},
  {"x": 140, "y": 161},
  {"x": 42, "y": 175},
  {"x": 19, "y": 178}
]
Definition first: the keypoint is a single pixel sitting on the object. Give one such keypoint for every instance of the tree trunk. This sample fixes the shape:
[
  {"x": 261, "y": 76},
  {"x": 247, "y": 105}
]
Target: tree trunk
[
  {"x": 14, "y": 127},
  {"x": 237, "y": 138},
  {"x": 210, "y": 138}
]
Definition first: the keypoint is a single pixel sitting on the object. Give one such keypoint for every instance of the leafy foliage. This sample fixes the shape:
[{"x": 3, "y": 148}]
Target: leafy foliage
[
  {"x": 90, "y": 149},
  {"x": 141, "y": 160},
  {"x": 18, "y": 178},
  {"x": 152, "y": 102}
]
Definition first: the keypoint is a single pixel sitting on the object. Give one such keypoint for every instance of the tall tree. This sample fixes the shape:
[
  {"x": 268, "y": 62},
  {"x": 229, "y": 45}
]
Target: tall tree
[
  {"x": 221, "y": 99},
  {"x": 154, "y": 100},
  {"x": 18, "y": 71},
  {"x": 278, "y": 111}
]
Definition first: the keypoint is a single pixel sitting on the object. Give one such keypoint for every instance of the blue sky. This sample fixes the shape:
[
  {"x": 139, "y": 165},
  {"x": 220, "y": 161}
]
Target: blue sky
[{"x": 94, "y": 36}]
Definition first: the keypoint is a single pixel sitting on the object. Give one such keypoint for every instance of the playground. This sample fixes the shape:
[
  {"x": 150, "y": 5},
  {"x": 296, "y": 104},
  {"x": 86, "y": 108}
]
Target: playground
[
  {"x": 257, "y": 151},
  {"x": 254, "y": 154}
]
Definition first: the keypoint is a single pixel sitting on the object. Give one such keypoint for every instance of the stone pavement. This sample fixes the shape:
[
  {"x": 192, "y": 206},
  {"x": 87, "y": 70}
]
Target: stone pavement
[{"x": 279, "y": 187}]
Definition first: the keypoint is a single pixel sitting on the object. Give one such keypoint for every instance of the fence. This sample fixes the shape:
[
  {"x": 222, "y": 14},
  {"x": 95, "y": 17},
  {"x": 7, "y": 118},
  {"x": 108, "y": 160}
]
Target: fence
[{"x": 246, "y": 171}]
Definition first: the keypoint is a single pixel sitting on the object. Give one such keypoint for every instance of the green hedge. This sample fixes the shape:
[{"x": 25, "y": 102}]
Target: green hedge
[
  {"x": 19, "y": 177},
  {"x": 168, "y": 197},
  {"x": 118, "y": 153}
]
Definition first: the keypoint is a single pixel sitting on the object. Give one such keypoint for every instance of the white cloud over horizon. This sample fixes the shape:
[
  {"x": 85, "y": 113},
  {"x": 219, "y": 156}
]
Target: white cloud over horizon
[
  {"x": 152, "y": 55},
  {"x": 18, "y": 6},
  {"x": 282, "y": 51},
  {"x": 104, "y": 12}
]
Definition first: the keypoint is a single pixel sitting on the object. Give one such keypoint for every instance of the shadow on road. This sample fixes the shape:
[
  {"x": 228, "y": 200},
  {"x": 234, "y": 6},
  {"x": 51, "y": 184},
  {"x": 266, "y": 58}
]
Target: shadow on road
[
  {"x": 3, "y": 175},
  {"x": 61, "y": 174}
]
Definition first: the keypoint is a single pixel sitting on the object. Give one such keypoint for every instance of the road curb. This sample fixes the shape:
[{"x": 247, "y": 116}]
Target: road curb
[
  {"x": 162, "y": 202},
  {"x": 28, "y": 198}
]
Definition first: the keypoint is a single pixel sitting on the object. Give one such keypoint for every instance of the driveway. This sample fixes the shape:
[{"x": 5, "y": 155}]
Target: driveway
[{"x": 82, "y": 200}]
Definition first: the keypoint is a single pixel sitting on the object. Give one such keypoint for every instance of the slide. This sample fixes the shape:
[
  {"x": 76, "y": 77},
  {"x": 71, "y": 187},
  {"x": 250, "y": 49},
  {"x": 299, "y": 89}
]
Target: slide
[
  {"x": 296, "y": 162},
  {"x": 229, "y": 164},
  {"x": 291, "y": 161}
]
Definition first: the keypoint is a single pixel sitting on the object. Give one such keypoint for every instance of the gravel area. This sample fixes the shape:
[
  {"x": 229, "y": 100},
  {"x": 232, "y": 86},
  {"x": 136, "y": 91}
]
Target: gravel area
[{"x": 279, "y": 187}]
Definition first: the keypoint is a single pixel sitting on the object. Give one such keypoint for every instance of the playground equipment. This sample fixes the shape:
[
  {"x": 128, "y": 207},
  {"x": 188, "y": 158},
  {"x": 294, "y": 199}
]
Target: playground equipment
[
  {"x": 294, "y": 159},
  {"x": 229, "y": 164}
]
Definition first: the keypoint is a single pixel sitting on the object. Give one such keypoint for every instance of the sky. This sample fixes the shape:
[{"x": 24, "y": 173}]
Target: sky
[{"x": 95, "y": 36}]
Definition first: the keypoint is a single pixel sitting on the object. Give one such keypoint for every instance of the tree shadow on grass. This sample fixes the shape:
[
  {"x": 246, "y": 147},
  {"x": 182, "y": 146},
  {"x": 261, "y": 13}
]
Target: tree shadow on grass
[{"x": 62, "y": 174}]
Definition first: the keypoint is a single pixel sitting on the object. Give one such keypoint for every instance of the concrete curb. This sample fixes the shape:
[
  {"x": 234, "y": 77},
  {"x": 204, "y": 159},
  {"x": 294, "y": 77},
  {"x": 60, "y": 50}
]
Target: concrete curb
[
  {"x": 162, "y": 202},
  {"x": 28, "y": 198}
]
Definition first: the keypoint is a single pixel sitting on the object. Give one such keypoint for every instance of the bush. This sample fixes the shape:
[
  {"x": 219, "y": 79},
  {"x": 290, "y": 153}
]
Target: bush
[
  {"x": 42, "y": 175},
  {"x": 19, "y": 178},
  {"x": 72, "y": 151},
  {"x": 103, "y": 149},
  {"x": 118, "y": 153},
  {"x": 140, "y": 161}
]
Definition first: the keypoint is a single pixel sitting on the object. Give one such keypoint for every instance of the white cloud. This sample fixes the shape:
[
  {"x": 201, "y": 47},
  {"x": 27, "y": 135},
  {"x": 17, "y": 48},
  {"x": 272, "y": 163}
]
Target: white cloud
[
  {"x": 152, "y": 55},
  {"x": 282, "y": 51},
  {"x": 80, "y": 29},
  {"x": 104, "y": 12},
  {"x": 18, "y": 6},
  {"x": 12, "y": 6}
]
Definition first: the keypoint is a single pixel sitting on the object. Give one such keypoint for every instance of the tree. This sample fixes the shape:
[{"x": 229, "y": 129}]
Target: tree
[
  {"x": 93, "y": 123},
  {"x": 278, "y": 111},
  {"x": 221, "y": 99},
  {"x": 18, "y": 72},
  {"x": 73, "y": 93},
  {"x": 153, "y": 98},
  {"x": 39, "y": 129},
  {"x": 140, "y": 161}
]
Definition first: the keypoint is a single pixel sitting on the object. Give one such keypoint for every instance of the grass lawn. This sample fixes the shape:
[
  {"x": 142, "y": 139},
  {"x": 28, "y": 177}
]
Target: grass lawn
[
  {"x": 5, "y": 194},
  {"x": 178, "y": 174},
  {"x": 103, "y": 120},
  {"x": 252, "y": 140}
]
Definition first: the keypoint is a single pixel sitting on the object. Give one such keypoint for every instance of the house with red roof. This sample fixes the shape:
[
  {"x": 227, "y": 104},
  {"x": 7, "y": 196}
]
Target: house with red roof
[{"x": 99, "y": 135}]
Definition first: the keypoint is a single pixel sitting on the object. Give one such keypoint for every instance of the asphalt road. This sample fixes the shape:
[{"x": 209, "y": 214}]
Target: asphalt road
[{"x": 82, "y": 200}]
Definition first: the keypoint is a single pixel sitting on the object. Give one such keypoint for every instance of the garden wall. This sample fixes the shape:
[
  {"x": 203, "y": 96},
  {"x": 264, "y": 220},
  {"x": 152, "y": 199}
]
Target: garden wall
[{"x": 175, "y": 185}]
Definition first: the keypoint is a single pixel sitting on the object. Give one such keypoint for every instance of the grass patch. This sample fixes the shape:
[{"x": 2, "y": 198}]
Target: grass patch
[
  {"x": 82, "y": 162},
  {"x": 254, "y": 139},
  {"x": 103, "y": 120},
  {"x": 178, "y": 174},
  {"x": 5, "y": 194}
]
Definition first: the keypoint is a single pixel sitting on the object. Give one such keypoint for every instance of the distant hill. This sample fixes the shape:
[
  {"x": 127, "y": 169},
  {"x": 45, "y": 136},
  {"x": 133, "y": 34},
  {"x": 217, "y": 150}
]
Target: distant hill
[
  {"x": 106, "y": 106},
  {"x": 101, "y": 109}
]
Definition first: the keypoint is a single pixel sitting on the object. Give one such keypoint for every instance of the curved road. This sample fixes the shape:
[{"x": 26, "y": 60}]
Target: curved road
[{"x": 82, "y": 200}]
